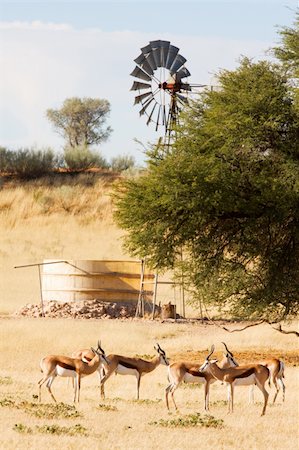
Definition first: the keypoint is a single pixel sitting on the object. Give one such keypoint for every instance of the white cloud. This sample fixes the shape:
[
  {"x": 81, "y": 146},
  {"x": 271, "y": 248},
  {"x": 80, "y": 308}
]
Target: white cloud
[{"x": 44, "y": 63}]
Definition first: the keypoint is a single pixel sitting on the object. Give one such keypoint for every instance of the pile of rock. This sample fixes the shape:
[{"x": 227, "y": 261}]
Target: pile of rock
[{"x": 87, "y": 309}]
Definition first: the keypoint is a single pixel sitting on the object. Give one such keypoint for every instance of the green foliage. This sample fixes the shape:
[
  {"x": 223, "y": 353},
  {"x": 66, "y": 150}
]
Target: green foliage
[
  {"x": 43, "y": 410},
  {"x": 7, "y": 403},
  {"x": 5, "y": 160},
  {"x": 227, "y": 195},
  {"x": 103, "y": 407},
  {"x": 57, "y": 429},
  {"x": 27, "y": 162},
  {"x": 121, "y": 163},
  {"x": 81, "y": 121},
  {"x": 288, "y": 51},
  {"x": 49, "y": 410},
  {"x": 190, "y": 420},
  {"x": 288, "y": 54},
  {"x": 51, "y": 429},
  {"x": 81, "y": 158}
]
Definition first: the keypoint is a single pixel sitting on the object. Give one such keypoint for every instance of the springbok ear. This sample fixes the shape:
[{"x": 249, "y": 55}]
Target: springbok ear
[{"x": 93, "y": 350}]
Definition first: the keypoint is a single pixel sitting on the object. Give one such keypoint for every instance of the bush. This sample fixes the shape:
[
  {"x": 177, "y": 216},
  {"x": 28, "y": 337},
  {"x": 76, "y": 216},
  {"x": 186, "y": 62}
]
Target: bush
[
  {"x": 5, "y": 160},
  {"x": 121, "y": 163},
  {"x": 31, "y": 163},
  {"x": 81, "y": 158}
]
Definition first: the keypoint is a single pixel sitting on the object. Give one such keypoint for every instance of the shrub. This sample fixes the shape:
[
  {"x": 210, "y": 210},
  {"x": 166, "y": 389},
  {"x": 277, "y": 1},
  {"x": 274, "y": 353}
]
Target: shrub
[
  {"x": 82, "y": 158},
  {"x": 190, "y": 420},
  {"x": 32, "y": 163},
  {"x": 5, "y": 160},
  {"x": 121, "y": 163}
]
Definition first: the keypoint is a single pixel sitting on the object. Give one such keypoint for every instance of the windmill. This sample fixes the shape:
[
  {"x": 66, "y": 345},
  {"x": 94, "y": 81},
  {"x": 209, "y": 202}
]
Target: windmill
[{"x": 162, "y": 91}]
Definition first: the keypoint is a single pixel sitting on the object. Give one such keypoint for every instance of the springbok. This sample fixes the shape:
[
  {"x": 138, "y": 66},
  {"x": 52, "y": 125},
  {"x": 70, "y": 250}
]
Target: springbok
[
  {"x": 64, "y": 366},
  {"x": 124, "y": 365},
  {"x": 275, "y": 366},
  {"x": 189, "y": 372},
  {"x": 252, "y": 373},
  {"x": 86, "y": 355}
]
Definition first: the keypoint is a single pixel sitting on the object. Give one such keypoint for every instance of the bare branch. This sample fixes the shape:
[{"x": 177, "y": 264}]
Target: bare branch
[
  {"x": 241, "y": 329},
  {"x": 278, "y": 328}
]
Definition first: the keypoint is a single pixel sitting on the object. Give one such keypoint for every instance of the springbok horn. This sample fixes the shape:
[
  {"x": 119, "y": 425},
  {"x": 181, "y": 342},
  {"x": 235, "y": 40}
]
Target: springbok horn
[
  {"x": 212, "y": 351},
  {"x": 227, "y": 349},
  {"x": 160, "y": 349},
  {"x": 99, "y": 346}
]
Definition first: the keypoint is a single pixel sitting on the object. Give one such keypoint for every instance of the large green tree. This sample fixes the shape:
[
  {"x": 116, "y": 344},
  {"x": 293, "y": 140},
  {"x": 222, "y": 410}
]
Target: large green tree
[
  {"x": 81, "y": 121},
  {"x": 227, "y": 195}
]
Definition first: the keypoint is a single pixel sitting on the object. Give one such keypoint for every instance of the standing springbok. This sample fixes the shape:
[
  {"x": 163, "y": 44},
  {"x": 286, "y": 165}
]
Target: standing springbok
[
  {"x": 86, "y": 355},
  {"x": 275, "y": 366},
  {"x": 189, "y": 372},
  {"x": 252, "y": 373},
  {"x": 64, "y": 366},
  {"x": 124, "y": 365}
]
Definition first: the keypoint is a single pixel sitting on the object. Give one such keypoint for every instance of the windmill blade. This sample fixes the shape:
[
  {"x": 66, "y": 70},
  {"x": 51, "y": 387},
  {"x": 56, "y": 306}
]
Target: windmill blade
[
  {"x": 143, "y": 63},
  {"x": 177, "y": 63},
  {"x": 164, "y": 116},
  {"x": 182, "y": 99},
  {"x": 172, "y": 52},
  {"x": 164, "y": 52},
  {"x": 186, "y": 87},
  {"x": 137, "y": 86},
  {"x": 138, "y": 73},
  {"x": 147, "y": 51},
  {"x": 182, "y": 73},
  {"x": 157, "y": 123},
  {"x": 151, "y": 114},
  {"x": 145, "y": 106},
  {"x": 139, "y": 98},
  {"x": 160, "y": 51}
]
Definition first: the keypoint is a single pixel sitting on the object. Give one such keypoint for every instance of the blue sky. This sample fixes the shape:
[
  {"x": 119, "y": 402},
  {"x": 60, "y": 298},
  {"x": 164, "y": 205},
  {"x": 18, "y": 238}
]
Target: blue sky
[{"x": 53, "y": 50}]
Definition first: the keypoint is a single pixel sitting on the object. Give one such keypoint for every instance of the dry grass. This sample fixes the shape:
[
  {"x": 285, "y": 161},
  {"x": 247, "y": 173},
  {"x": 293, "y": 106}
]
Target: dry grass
[
  {"x": 120, "y": 422},
  {"x": 64, "y": 221}
]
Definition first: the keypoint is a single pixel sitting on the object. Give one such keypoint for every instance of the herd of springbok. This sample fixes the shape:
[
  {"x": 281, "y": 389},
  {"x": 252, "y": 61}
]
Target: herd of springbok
[{"x": 87, "y": 361}]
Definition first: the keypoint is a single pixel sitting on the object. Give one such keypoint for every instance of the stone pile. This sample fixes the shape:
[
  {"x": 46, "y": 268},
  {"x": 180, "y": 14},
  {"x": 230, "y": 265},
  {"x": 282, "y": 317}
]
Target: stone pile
[{"x": 87, "y": 309}]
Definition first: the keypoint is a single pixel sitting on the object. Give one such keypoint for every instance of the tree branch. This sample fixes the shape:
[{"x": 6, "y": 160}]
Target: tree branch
[
  {"x": 284, "y": 331},
  {"x": 244, "y": 328}
]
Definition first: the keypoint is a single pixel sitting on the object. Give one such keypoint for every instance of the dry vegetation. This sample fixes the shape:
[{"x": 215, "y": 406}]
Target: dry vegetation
[
  {"x": 63, "y": 218},
  {"x": 73, "y": 220}
]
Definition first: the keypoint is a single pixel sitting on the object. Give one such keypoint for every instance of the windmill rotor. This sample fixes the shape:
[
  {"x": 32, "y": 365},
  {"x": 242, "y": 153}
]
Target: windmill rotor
[{"x": 162, "y": 89}]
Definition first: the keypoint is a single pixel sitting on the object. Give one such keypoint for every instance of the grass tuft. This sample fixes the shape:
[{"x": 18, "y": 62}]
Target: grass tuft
[
  {"x": 57, "y": 429},
  {"x": 43, "y": 410},
  {"x": 21, "y": 428},
  {"x": 5, "y": 380},
  {"x": 51, "y": 429},
  {"x": 103, "y": 407},
  {"x": 190, "y": 420},
  {"x": 49, "y": 410}
]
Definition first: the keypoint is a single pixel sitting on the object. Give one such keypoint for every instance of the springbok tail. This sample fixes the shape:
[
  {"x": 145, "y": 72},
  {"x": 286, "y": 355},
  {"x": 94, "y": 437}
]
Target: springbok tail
[{"x": 281, "y": 370}]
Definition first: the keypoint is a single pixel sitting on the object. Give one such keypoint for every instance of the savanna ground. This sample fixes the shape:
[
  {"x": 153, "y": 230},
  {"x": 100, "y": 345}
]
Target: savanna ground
[{"x": 74, "y": 221}]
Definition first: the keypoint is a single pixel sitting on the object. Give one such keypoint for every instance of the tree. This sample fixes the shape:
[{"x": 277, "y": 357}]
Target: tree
[
  {"x": 288, "y": 55},
  {"x": 227, "y": 195},
  {"x": 81, "y": 121}
]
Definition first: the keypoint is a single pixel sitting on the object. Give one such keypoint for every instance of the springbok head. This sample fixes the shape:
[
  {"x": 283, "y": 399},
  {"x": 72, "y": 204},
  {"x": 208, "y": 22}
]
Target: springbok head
[
  {"x": 229, "y": 356},
  {"x": 162, "y": 354},
  {"x": 208, "y": 361},
  {"x": 100, "y": 352}
]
